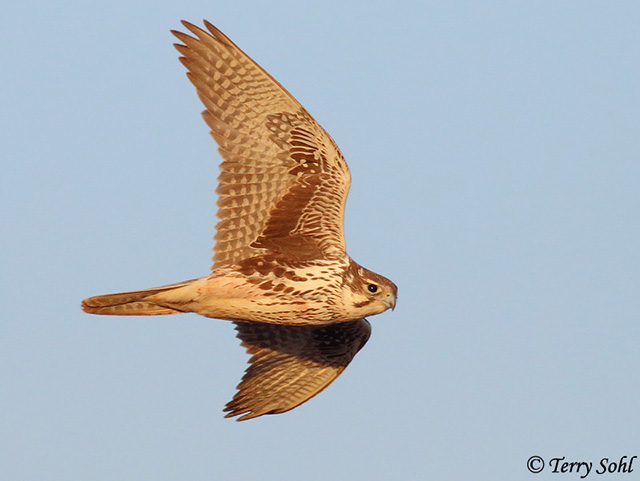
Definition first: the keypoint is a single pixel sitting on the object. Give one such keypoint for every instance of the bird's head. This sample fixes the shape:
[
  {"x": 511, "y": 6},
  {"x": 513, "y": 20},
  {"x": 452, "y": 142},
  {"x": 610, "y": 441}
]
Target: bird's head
[{"x": 369, "y": 293}]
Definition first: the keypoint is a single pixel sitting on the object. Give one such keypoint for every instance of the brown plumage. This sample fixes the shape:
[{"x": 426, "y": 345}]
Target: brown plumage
[
  {"x": 291, "y": 364},
  {"x": 280, "y": 270}
]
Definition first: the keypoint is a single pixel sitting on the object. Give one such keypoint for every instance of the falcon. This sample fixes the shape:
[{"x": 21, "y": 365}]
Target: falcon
[{"x": 280, "y": 269}]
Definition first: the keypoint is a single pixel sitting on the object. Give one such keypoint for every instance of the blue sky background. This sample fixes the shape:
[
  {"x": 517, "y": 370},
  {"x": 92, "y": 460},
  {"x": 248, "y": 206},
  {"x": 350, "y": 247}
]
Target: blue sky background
[{"x": 495, "y": 155}]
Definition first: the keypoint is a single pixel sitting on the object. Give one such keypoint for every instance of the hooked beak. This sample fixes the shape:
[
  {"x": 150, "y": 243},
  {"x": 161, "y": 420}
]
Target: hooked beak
[{"x": 390, "y": 301}]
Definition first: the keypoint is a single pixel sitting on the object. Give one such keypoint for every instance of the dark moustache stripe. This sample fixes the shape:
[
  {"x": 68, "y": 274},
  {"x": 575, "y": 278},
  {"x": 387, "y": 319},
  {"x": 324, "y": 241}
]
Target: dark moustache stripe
[{"x": 363, "y": 303}]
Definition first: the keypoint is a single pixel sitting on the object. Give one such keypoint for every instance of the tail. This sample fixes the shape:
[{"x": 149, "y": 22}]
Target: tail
[{"x": 135, "y": 303}]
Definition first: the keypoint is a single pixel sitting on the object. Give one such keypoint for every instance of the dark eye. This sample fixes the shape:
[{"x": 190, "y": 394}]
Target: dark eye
[{"x": 372, "y": 288}]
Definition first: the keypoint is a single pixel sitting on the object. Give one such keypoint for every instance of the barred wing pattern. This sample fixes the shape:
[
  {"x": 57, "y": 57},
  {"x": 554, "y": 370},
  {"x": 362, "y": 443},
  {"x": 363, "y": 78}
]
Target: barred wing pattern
[
  {"x": 283, "y": 183},
  {"x": 291, "y": 364}
]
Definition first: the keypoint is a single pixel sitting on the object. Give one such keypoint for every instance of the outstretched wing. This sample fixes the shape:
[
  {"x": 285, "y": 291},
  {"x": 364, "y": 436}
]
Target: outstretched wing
[
  {"x": 283, "y": 183},
  {"x": 291, "y": 364}
]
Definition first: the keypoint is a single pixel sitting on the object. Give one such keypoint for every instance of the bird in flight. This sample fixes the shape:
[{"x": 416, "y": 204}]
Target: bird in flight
[{"x": 280, "y": 270}]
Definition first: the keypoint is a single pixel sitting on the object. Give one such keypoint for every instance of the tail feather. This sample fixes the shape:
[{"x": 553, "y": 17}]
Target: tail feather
[{"x": 132, "y": 303}]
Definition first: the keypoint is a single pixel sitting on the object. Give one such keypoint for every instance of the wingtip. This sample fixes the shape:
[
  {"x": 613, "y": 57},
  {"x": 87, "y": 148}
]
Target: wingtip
[
  {"x": 183, "y": 37},
  {"x": 201, "y": 33},
  {"x": 187, "y": 24},
  {"x": 233, "y": 413}
]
